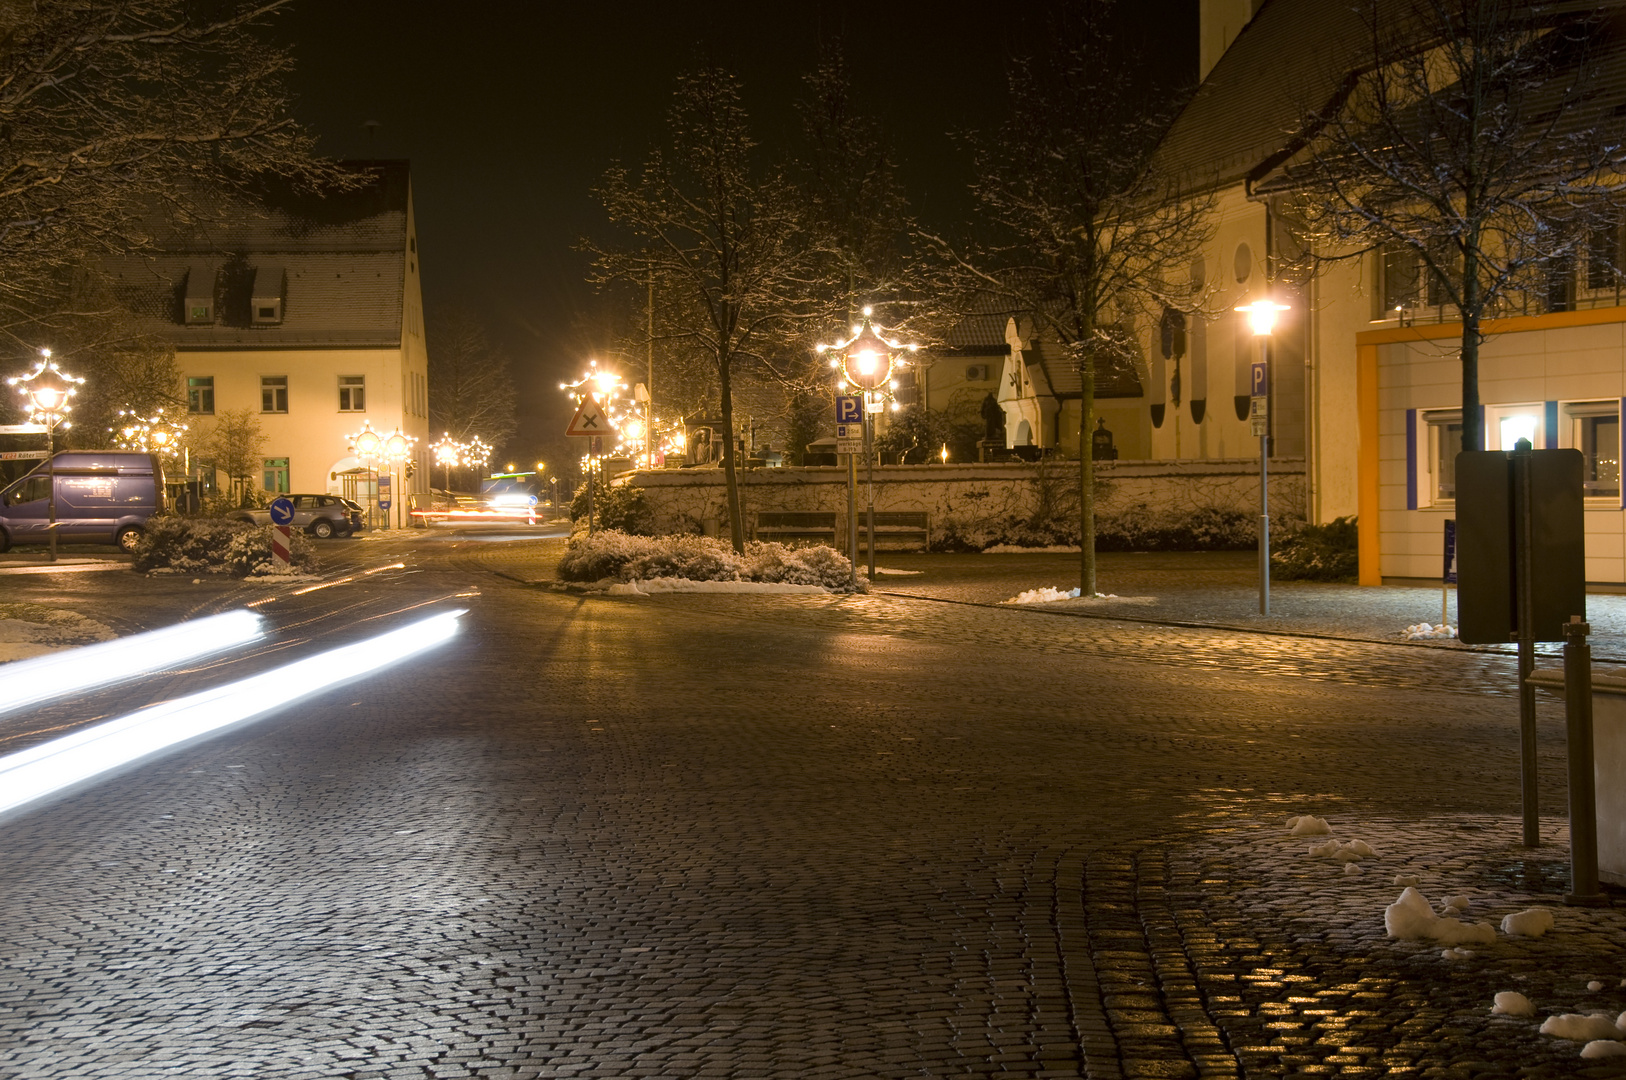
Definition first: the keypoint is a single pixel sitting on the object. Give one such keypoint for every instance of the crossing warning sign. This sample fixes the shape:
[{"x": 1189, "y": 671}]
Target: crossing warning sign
[{"x": 589, "y": 419}]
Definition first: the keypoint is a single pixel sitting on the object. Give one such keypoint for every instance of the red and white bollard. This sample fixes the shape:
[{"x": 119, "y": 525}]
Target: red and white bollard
[{"x": 280, "y": 542}]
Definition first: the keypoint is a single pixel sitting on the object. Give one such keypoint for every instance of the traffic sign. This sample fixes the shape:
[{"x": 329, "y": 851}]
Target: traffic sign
[
  {"x": 589, "y": 420},
  {"x": 1259, "y": 379},
  {"x": 849, "y": 409},
  {"x": 22, "y": 429},
  {"x": 384, "y": 491},
  {"x": 23, "y": 455},
  {"x": 282, "y": 510},
  {"x": 850, "y": 438}
]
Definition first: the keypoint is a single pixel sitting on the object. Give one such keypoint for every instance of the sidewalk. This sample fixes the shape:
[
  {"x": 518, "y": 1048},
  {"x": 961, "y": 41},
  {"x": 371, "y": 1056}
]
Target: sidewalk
[{"x": 1212, "y": 589}]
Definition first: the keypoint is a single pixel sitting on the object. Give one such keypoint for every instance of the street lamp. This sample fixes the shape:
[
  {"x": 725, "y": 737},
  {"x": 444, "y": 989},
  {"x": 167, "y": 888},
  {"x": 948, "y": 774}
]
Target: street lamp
[
  {"x": 866, "y": 360},
  {"x": 49, "y": 392},
  {"x": 448, "y": 452},
  {"x": 397, "y": 448},
  {"x": 1262, "y": 321},
  {"x": 368, "y": 445}
]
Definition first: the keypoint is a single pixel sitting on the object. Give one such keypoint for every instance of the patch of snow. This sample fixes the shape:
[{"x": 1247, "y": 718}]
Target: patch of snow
[
  {"x": 1351, "y": 868},
  {"x": 1308, "y": 826},
  {"x": 1594, "y": 986},
  {"x": 1013, "y": 549},
  {"x": 1580, "y": 1027},
  {"x": 1603, "y": 1048},
  {"x": 1411, "y": 918},
  {"x": 1423, "y": 631},
  {"x": 900, "y": 573},
  {"x": 1459, "y": 954},
  {"x": 1407, "y": 881},
  {"x": 1511, "y": 1003},
  {"x": 1532, "y": 922},
  {"x": 1459, "y": 902},
  {"x": 28, "y": 630},
  {"x": 671, "y": 584},
  {"x": 1043, "y": 596},
  {"x": 1344, "y": 852}
]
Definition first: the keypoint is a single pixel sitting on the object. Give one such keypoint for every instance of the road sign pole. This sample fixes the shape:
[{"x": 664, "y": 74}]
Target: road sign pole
[
  {"x": 869, "y": 486},
  {"x": 281, "y": 540},
  {"x": 1259, "y": 414},
  {"x": 1525, "y": 620},
  {"x": 1583, "y": 792}
]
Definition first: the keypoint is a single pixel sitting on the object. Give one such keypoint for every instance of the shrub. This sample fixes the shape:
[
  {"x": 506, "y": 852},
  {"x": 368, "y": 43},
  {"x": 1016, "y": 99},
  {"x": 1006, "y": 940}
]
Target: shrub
[
  {"x": 619, "y": 508},
  {"x": 211, "y": 546},
  {"x": 1318, "y": 552},
  {"x": 613, "y": 554}
]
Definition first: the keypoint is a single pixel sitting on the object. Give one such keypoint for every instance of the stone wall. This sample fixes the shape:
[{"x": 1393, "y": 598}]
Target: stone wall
[{"x": 690, "y": 500}]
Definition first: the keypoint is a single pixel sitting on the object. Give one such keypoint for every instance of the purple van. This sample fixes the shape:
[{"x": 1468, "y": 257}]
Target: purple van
[{"x": 102, "y": 497}]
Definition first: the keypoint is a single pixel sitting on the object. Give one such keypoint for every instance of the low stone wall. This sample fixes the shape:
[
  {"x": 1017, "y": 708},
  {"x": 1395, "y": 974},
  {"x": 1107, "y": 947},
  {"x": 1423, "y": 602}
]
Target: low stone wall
[{"x": 690, "y": 500}]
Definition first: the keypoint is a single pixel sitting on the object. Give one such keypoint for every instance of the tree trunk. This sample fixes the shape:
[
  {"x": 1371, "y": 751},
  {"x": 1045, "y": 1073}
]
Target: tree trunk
[
  {"x": 731, "y": 480},
  {"x": 1472, "y": 437},
  {"x": 1086, "y": 477}
]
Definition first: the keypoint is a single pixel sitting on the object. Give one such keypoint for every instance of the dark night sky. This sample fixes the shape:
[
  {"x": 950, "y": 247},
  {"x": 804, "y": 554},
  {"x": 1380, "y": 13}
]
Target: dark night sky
[{"x": 510, "y": 113}]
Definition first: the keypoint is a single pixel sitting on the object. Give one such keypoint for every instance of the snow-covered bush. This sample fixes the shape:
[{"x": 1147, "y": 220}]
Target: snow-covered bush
[
  {"x": 616, "y": 507},
  {"x": 1133, "y": 528},
  {"x": 616, "y": 555},
  {"x": 815, "y": 565},
  {"x": 211, "y": 546}
]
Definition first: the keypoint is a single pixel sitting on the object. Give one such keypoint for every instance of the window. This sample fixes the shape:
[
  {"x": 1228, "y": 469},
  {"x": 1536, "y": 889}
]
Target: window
[
  {"x": 1595, "y": 431},
  {"x": 352, "y": 393},
  {"x": 1603, "y": 258},
  {"x": 273, "y": 394},
  {"x": 1505, "y": 425},
  {"x": 276, "y": 475},
  {"x": 200, "y": 394},
  {"x": 34, "y": 489},
  {"x": 1444, "y": 444}
]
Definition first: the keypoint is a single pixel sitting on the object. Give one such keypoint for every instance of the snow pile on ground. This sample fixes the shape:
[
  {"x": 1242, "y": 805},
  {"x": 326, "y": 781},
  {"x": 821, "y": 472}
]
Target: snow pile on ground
[
  {"x": 1581, "y": 1027},
  {"x": 1016, "y": 549},
  {"x": 688, "y": 585},
  {"x": 900, "y": 573},
  {"x": 1050, "y": 596},
  {"x": 1307, "y": 825},
  {"x": 1423, "y": 631},
  {"x": 1412, "y": 918},
  {"x": 1533, "y": 922},
  {"x": 1512, "y": 1003},
  {"x": 1603, "y": 1048},
  {"x": 1352, "y": 851},
  {"x": 1044, "y": 596},
  {"x": 33, "y": 629}
]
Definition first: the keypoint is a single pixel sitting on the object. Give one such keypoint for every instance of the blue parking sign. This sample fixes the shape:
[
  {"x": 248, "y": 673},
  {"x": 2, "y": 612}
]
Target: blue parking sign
[
  {"x": 1259, "y": 379},
  {"x": 849, "y": 409}
]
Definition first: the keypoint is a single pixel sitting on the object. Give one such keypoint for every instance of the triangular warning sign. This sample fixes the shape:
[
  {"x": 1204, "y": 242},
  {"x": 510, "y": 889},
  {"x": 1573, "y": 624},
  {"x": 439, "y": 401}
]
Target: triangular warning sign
[{"x": 589, "y": 419}]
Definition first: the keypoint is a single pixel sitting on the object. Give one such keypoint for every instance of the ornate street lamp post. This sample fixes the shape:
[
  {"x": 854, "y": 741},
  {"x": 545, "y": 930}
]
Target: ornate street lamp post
[
  {"x": 397, "y": 449},
  {"x": 866, "y": 360},
  {"x": 368, "y": 446},
  {"x": 49, "y": 392}
]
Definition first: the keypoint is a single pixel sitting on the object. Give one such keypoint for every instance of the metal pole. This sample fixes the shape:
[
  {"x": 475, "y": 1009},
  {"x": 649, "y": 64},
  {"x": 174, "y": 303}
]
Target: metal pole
[
  {"x": 50, "y": 472},
  {"x": 869, "y": 482},
  {"x": 1525, "y": 607},
  {"x": 649, "y": 387},
  {"x": 591, "y": 442},
  {"x": 1583, "y": 796},
  {"x": 852, "y": 516},
  {"x": 1264, "y": 493}
]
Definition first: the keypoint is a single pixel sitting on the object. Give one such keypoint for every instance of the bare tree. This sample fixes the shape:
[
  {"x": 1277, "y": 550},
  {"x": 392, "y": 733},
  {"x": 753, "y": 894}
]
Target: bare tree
[
  {"x": 1087, "y": 238},
  {"x": 1465, "y": 138},
  {"x": 471, "y": 383},
  {"x": 722, "y": 241},
  {"x": 236, "y": 445},
  {"x": 116, "y": 113}
]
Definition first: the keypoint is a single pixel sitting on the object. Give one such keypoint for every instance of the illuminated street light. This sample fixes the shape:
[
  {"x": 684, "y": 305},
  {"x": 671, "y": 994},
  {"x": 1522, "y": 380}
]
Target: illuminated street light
[
  {"x": 1262, "y": 321},
  {"x": 866, "y": 360},
  {"x": 396, "y": 449},
  {"x": 49, "y": 392},
  {"x": 367, "y": 445}
]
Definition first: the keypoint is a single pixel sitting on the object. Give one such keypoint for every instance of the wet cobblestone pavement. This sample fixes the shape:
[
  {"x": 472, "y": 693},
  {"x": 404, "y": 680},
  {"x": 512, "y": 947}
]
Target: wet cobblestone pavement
[{"x": 771, "y": 836}]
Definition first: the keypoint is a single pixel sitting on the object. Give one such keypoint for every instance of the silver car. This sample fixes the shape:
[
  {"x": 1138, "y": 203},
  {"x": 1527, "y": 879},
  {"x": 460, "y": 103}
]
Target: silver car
[{"x": 320, "y": 515}]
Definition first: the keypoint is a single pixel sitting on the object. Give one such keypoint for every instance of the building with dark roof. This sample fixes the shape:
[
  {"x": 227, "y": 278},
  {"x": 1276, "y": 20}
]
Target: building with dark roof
[{"x": 306, "y": 311}]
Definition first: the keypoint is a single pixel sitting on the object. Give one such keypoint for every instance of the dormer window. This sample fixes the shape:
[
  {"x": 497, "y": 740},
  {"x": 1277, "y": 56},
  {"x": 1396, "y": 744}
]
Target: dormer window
[
  {"x": 198, "y": 304},
  {"x": 265, "y": 302}
]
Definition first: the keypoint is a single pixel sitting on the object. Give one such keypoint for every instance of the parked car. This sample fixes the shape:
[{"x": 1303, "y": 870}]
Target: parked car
[
  {"x": 320, "y": 515},
  {"x": 102, "y": 496}
]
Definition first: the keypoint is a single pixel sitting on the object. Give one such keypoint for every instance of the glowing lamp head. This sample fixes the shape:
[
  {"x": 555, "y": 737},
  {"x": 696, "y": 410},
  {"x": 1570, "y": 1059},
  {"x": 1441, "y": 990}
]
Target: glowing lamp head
[
  {"x": 368, "y": 443},
  {"x": 633, "y": 428},
  {"x": 1262, "y": 316}
]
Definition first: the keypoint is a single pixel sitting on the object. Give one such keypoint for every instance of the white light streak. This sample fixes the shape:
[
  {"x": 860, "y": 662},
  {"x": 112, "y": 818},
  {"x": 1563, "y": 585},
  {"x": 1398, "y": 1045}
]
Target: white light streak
[
  {"x": 28, "y": 682},
  {"x": 82, "y": 755}
]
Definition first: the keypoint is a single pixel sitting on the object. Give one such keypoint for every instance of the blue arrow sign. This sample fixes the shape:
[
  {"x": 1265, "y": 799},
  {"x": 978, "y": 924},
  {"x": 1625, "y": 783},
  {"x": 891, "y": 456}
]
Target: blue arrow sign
[
  {"x": 282, "y": 511},
  {"x": 849, "y": 410}
]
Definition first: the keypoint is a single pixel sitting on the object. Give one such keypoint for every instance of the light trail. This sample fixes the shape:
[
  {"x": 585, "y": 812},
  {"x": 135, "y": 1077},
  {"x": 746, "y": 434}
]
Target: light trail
[
  {"x": 28, "y": 682},
  {"x": 42, "y": 770}
]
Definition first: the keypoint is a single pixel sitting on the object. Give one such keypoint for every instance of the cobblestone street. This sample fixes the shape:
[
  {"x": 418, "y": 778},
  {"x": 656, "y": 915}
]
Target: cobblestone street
[{"x": 798, "y": 836}]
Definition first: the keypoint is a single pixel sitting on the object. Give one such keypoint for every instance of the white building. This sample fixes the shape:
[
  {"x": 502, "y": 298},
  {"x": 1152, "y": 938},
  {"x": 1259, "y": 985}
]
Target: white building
[{"x": 308, "y": 313}]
